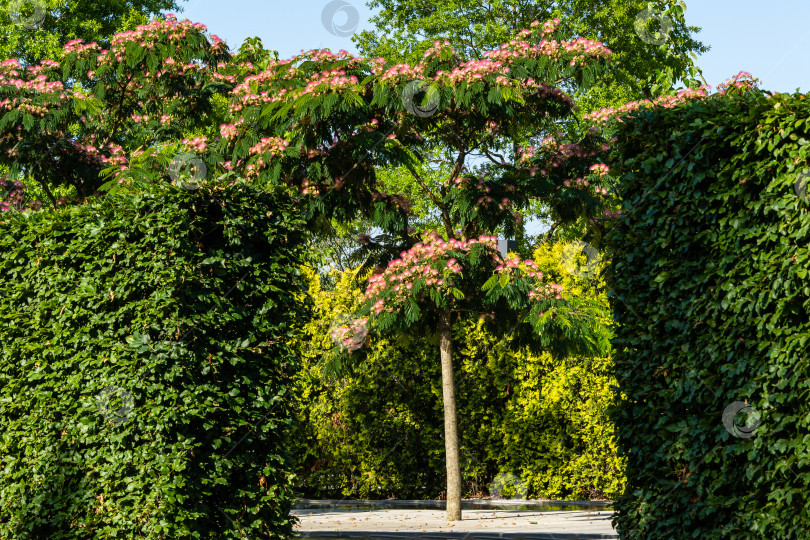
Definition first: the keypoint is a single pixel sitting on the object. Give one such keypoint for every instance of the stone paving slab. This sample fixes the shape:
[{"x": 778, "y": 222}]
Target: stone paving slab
[{"x": 477, "y": 524}]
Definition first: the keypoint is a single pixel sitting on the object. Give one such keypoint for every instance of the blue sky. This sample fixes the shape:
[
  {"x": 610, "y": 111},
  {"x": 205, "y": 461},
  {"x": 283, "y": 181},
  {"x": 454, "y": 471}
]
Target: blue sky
[{"x": 768, "y": 39}]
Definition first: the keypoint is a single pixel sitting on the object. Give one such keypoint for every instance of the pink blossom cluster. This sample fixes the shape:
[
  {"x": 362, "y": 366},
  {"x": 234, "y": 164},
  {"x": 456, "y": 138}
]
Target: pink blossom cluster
[
  {"x": 399, "y": 71},
  {"x": 548, "y": 26},
  {"x": 576, "y": 182},
  {"x": 262, "y": 98},
  {"x": 138, "y": 118},
  {"x": 496, "y": 62},
  {"x": 333, "y": 71},
  {"x": 683, "y": 96},
  {"x": 427, "y": 261},
  {"x": 526, "y": 154},
  {"x": 599, "y": 168},
  {"x": 518, "y": 47},
  {"x": 274, "y": 146},
  {"x": 197, "y": 144},
  {"x": 14, "y": 195},
  {"x": 548, "y": 91},
  {"x": 368, "y": 127},
  {"x": 564, "y": 152},
  {"x": 743, "y": 79},
  {"x": 474, "y": 70},
  {"x": 10, "y": 69},
  {"x": 43, "y": 66},
  {"x": 351, "y": 336},
  {"x": 276, "y": 71},
  {"x": 286, "y": 70},
  {"x": 145, "y": 35},
  {"x": 110, "y": 154},
  {"x": 467, "y": 181},
  {"x": 504, "y": 204},
  {"x": 218, "y": 76},
  {"x": 169, "y": 28},
  {"x": 309, "y": 188},
  {"x": 545, "y": 291},
  {"x": 79, "y": 46},
  {"x": 312, "y": 152},
  {"x": 325, "y": 55},
  {"x": 39, "y": 83},
  {"x": 438, "y": 48},
  {"x": 181, "y": 68},
  {"x": 581, "y": 182},
  {"x": 322, "y": 83},
  {"x": 228, "y": 131},
  {"x": 511, "y": 267},
  {"x": 25, "y": 106},
  {"x": 400, "y": 201}
]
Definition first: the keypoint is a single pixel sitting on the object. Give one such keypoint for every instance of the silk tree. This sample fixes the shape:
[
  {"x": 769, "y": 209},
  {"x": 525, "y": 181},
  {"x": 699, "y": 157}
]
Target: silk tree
[{"x": 325, "y": 124}]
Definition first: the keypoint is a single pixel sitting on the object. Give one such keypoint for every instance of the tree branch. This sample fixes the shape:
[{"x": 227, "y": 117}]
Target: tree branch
[
  {"x": 445, "y": 214},
  {"x": 48, "y": 192}
]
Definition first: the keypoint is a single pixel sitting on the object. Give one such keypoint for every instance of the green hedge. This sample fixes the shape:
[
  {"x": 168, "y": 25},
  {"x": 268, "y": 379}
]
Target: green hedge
[
  {"x": 711, "y": 295},
  {"x": 144, "y": 367}
]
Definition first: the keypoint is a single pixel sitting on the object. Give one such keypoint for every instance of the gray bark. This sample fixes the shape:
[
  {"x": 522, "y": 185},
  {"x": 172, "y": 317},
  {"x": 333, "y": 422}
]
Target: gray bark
[{"x": 450, "y": 421}]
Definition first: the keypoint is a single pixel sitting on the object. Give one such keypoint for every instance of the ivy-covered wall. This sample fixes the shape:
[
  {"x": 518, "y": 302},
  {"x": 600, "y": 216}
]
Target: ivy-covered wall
[
  {"x": 144, "y": 367},
  {"x": 711, "y": 295}
]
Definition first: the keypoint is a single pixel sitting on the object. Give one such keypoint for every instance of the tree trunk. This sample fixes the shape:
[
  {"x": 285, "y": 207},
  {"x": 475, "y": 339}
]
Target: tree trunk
[{"x": 450, "y": 423}]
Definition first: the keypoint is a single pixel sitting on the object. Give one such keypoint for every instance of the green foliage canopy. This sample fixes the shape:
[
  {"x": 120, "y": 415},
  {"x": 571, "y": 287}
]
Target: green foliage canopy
[
  {"x": 404, "y": 29},
  {"x": 35, "y": 30}
]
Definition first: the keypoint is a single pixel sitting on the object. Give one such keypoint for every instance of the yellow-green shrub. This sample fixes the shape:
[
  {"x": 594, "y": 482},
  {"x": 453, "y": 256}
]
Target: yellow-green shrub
[{"x": 377, "y": 430}]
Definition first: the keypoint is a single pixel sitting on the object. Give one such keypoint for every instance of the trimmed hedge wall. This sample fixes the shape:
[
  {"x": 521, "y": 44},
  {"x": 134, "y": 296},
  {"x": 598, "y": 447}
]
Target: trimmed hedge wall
[
  {"x": 711, "y": 294},
  {"x": 144, "y": 367}
]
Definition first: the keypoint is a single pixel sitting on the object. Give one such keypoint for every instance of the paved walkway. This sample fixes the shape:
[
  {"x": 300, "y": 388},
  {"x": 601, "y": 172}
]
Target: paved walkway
[{"x": 476, "y": 524}]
